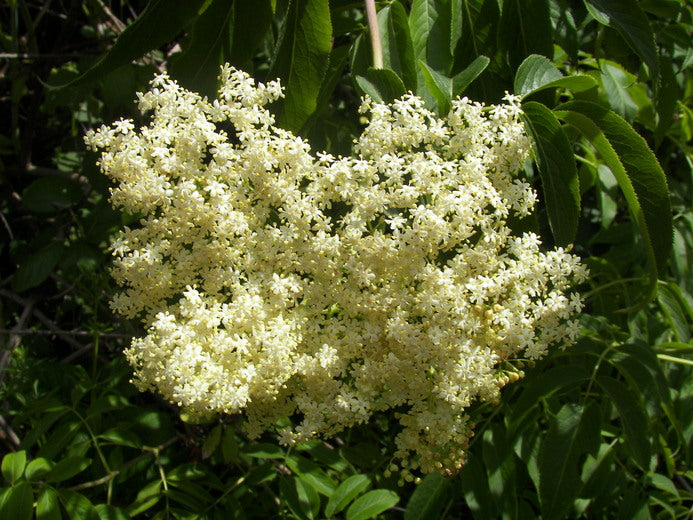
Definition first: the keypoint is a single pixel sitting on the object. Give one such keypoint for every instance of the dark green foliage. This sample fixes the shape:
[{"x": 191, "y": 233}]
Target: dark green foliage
[{"x": 603, "y": 429}]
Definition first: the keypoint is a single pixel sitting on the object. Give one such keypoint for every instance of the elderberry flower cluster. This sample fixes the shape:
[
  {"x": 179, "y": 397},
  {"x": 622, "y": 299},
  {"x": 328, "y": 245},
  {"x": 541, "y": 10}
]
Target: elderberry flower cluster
[{"x": 279, "y": 283}]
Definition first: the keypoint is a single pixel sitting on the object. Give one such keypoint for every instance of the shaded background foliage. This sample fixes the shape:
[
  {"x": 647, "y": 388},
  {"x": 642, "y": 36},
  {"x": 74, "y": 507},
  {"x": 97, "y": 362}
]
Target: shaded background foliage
[{"x": 603, "y": 429}]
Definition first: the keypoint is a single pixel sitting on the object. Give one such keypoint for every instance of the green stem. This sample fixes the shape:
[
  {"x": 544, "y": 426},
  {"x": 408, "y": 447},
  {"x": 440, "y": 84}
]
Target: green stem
[{"x": 374, "y": 29}]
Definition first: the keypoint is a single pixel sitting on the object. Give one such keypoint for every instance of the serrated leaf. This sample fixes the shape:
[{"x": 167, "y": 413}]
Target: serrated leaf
[
  {"x": 632, "y": 24},
  {"x": 19, "y": 503},
  {"x": 346, "y": 492},
  {"x": 534, "y": 72},
  {"x": 211, "y": 442},
  {"x": 108, "y": 512},
  {"x": 464, "y": 78},
  {"x": 574, "y": 431},
  {"x": 37, "y": 468},
  {"x": 159, "y": 23},
  {"x": 440, "y": 86},
  {"x": 67, "y": 468},
  {"x": 371, "y": 504},
  {"x": 559, "y": 176},
  {"x": 639, "y": 175},
  {"x": 229, "y": 446},
  {"x": 633, "y": 418},
  {"x": 48, "y": 505},
  {"x": 616, "y": 82},
  {"x": 383, "y": 85},
  {"x": 525, "y": 29},
  {"x": 122, "y": 437},
  {"x": 252, "y": 20},
  {"x": 429, "y": 498},
  {"x": 38, "y": 267},
  {"x": 398, "y": 49},
  {"x": 301, "y": 498},
  {"x": 499, "y": 460},
  {"x": 301, "y": 59},
  {"x": 476, "y": 490},
  {"x": 430, "y": 22},
  {"x": 554, "y": 381},
  {"x": 311, "y": 473},
  {"x": 147, "y": 498},
  {"x": 50, "y": 194},
  {"x": 197, "y": 67},
  {"x": 263, "y": 450},
  {"x": 13, "y": 465},
  {"x": 677, "y": 310}
]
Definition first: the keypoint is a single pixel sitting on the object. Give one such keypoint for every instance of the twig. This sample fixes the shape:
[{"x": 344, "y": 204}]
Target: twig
[
  {"x": 150, "y": 452},
  {"x": 77, "y": 353},
  {"x": 684, "y": 484},
  {"x": 29, "y": 332},
  {"x": 7, "y": 226},
  {"x": 8, "y": 434},
  {"x": 14, "y": 338},
  {"x": 374, "y": 29},
  {"x": 42, "y": 318}
]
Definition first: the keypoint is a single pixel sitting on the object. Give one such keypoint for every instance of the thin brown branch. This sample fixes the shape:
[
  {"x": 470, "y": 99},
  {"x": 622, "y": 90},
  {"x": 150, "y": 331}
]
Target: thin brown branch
[
  {"x": 8, "y": 434},
  {"x": 14, "y": 338},
  {"x": 150, "y": 452}
]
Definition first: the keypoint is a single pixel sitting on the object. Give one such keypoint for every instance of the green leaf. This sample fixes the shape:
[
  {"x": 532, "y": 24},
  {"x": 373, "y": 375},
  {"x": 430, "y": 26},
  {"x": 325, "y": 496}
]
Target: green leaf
[
  {"x": 51, "y": 193},
  {"x": 371, "y": 504},
  {"x": 37, "y": 468},
  {"x": 574, "y": 431},
  {"x": 534, "y": 72},
  {"x": 677, "y": 310},
  {"x": 525, "y": 29},
  {"x": 463, "y": 79},
  {"x": 19, "y": 503},
  {"x": 197, "y": 67},
  {"x": 559, "y": 176},
  {"x": 537, "y": 73},
  {"x": 108, "y": 512},
  {"x": 252, "y": 20},
  {"x": 639, "y": 175},
  {"x": 616, "y": 82},
  {"x": 633, "y": 418},
  {"x": 429, "y": 498},
  {"x": 398, "y": 50},
  {"x": 47, "y": 505},
  {"x": 122, "y": 437},
  {"x": 632, "y": 24},
  {"x": 430, "y": 22},
  {"x": 346, "y": 492},
  {"x": 211, "y": 442},
  {"x": 264, "y": 450},
  {"x": 557, "y": 380},
  {"x": 301, "y": 498},
  {"x": 229, "y": 446},
  {"x": 477, "y": 494},
  {"x": 67, "y": 468},
  {"x": 311, "y": 473},
  {"x": 38, "y": 267},
  {"x": 159, "y": 23},
  {"x": 499, "y": 460},
  {"x": 301, "y": 59},
  {"x": 383, "y": 85},
  {"x": 440, "y": 86},
  {"x": 147, "y": 498},
  {"x": 13, "y": 465}
]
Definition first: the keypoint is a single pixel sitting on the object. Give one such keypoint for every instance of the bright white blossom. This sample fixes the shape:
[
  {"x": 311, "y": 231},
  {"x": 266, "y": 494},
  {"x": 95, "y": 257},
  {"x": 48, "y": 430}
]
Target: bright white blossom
[{"x": 276, "y": 282}]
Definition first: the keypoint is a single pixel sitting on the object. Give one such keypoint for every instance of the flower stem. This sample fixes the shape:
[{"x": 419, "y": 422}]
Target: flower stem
[{"x": 375, "y": 34}]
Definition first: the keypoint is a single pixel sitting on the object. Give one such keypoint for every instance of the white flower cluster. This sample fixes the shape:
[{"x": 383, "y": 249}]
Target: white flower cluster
[{"x": 276, "y": 283}]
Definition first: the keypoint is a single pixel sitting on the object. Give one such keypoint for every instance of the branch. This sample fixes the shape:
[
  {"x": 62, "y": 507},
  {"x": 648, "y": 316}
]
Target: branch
[{"x": 374, "y": 29}]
